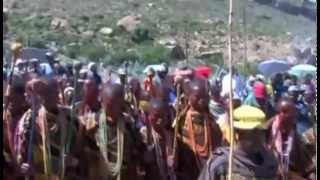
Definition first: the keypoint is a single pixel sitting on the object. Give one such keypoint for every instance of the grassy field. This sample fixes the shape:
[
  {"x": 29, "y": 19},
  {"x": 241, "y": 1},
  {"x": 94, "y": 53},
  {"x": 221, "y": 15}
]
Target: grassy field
[{"x": 192, "y": 21}]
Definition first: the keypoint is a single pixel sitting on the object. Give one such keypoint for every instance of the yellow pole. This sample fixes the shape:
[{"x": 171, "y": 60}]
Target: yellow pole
[{"x": 230, "y": 91}]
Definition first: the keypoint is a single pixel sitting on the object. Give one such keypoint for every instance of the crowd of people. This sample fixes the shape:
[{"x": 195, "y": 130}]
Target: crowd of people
[{"x": 67, "y": 122}]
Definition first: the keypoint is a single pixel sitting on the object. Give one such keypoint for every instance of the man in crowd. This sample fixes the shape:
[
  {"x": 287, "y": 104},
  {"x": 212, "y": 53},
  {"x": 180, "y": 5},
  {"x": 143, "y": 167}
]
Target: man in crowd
[
  {"x": 251, "y": 158},
  {"x": 283, "y": 139},
  {"x": 51, "y": 149},
  {"x": 198, "y": 133}
]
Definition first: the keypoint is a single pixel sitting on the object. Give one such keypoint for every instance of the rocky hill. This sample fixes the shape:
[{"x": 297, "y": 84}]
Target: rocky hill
[{"x": 150, "y": 31}]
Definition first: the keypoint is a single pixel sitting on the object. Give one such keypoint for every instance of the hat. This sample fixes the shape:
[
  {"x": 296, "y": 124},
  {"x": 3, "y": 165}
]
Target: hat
[
  {"x": 294, "y": 88},
  {"x": 20, "y": 61},
  {"x": 122, "y": 71},
  {"x": 150, "y": 72},
  {"x": 83, "y": 71},
  {"x": 259, "y": 90},
  {"x": 251, "y": 79},
  {"x": 162, "y": 68},
  {"x": 34, "y": 60},
  {"x": 287, "y": 83},
  {"x": 91, "y": 65},
  {"x": 248, "y": 117},
  {"x": 260, "y": 77}
]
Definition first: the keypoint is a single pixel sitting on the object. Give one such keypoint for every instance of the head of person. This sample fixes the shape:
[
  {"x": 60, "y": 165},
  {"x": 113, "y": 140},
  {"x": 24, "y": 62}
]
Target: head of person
[
  {"x": 294, "y": 92},
  {"x": 18, "y": 104},
  {"x": 198, "y": 96},
  {"x": 156, "y": 115},
  {"x": 260, "y": 93},
  {"x": 150, "y": 73},
  {"x": 307, "y": 79},
  {"x": 236, "y": 102},
  {"x": 93, "y": 67},
  {"x": 46, "y": 90},
  {"x": 20, "y": 64},
  {"x": 294, "y": 79},
  {"x": 50, "y": 58},
  {"x": 308, "y": 94},
  {"x": 215, "y": 90},
  {"x": 68, "y": 94},
  {"x": 277, "y": 79},
  {"x": 90, "y": 90},
  {"x": 83, "y": 74},
  {"x": 251, "y": 81},
  {"x": 234, "y": 70},
  {"x": 122, "y": 75},
  {"x": 113, "y": 102},
  {"x": 135, "y": 87},
  {"x": 250, "y": 130},
  {"x": 287, "y": 112},
  {"x": 34, "y": 65},
  {"x": 163, "y": 72}
]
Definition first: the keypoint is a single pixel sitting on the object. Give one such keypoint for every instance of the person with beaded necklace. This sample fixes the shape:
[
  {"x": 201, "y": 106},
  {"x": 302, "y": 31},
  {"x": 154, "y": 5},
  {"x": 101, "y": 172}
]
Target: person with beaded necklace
[
  {"x": 43, "y": 149},
  {"x": 116, "y": 142},
  {"x": 157, "y": 158},
  {"x": 198, "y": 133}
]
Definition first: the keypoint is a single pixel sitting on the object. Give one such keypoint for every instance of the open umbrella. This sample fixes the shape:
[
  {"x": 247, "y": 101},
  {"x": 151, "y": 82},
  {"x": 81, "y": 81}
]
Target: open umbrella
[
  {"x": 273, "y": 66},
  {"x": 301, "y": 70},
  {"x": 203, "y": 71}
]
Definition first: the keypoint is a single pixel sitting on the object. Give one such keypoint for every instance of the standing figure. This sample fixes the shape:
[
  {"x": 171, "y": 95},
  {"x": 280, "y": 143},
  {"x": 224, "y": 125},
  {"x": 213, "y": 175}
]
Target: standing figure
[
  {"x": 149, "y": 84},
  {"x": 16, "y": 107},
  {"x": 158, "y": 156},
  {"x": 113, "y": 142},
  {"x": 45, "y": 139},
  {"x": 288, "y": 147},
  {"x": 251, "y": 158},
  {"x": 198, "y": 134}
]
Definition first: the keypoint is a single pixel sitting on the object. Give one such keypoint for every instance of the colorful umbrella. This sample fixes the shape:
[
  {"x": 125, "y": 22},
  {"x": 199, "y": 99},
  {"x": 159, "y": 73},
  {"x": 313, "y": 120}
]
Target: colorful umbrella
[
  {"x": 203, "y": 71},
  {"x": 302, "y": 70},
  {"x": 273, "y": 66}
]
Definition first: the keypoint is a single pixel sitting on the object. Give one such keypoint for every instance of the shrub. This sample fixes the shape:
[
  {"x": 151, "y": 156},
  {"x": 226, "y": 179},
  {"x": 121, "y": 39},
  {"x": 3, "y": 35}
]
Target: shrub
[
  {"x": 247, "y": 68},
  {"x": 153, "y": 54}
]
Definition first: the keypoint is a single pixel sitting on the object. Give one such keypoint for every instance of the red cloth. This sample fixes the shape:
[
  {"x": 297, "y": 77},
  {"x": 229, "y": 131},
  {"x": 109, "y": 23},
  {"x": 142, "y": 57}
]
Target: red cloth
[
  {"x": 260, "y": 90},
  {"x": 149, "y": 86},
  {"x": 203, "y": 71}
]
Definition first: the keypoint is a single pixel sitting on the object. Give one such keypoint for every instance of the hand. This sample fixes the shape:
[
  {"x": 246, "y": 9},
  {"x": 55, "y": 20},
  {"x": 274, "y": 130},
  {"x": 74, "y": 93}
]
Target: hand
[
  {"x": 71, "y": 161},
  {"x": 171, "y": 162},
  {"x": 25, "y": 168},
  {"x": 140, "y": 171}
]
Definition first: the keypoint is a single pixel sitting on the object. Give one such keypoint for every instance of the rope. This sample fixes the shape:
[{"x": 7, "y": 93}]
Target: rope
[{"x": 113, "y": 168}]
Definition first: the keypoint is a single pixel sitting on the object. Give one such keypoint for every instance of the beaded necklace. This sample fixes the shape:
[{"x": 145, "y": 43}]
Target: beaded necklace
[{"x": 102, "y": 141}]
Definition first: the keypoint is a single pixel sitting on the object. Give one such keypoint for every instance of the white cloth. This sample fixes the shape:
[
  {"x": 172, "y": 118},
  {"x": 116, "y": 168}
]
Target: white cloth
[{"x": 237, "y": 85}]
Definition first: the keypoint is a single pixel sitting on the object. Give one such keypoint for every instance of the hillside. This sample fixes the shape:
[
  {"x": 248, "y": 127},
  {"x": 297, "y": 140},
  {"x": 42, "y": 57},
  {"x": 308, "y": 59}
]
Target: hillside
[{"x": 74, "y": 29}]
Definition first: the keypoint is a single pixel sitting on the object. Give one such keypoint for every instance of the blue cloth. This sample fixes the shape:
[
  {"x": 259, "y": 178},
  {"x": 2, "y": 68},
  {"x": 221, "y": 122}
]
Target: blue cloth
[{"x": 172, "y": 97}]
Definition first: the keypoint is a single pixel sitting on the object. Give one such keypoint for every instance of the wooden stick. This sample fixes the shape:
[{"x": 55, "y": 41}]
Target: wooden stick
[{"x": 230, "y": 90}]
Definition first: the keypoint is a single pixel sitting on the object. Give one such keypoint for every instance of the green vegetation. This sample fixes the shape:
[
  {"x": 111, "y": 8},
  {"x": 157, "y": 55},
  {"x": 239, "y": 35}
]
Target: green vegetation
[{"x": 82, "y": 37}]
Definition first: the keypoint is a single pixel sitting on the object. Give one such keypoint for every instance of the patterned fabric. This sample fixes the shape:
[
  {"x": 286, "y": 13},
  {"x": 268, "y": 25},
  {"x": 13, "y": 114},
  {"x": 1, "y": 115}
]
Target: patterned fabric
[{"x": 49, "y": 129}]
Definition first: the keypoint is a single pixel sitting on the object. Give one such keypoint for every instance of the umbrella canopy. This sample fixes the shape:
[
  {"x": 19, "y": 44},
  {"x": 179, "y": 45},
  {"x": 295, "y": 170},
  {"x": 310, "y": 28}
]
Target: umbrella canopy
[
  {"x": 302, "y": 70},
  {"x": 273, "y": 66},
  {"x": 203, "y": 71},
  {"x": 30, "y": 53}
]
